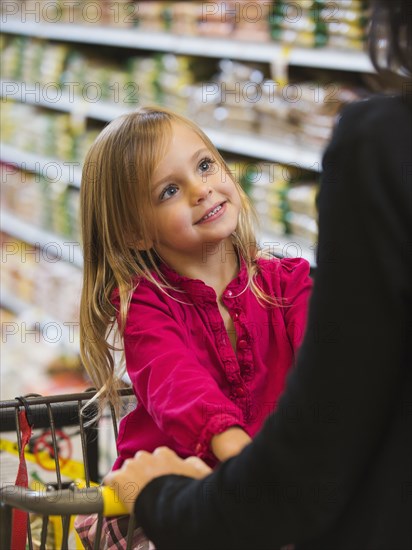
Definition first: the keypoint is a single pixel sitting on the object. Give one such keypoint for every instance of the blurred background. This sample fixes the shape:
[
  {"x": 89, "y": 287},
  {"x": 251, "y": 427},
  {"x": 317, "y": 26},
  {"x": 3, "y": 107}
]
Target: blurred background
[{"x": 266, "y": 81}]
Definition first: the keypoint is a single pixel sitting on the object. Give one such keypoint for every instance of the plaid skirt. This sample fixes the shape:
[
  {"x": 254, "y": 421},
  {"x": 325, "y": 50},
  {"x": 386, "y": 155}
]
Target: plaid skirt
[{"x": 114, "y": 533}]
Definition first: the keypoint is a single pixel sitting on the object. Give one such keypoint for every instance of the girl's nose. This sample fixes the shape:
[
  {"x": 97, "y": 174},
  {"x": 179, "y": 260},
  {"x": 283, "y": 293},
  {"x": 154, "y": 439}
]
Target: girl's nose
[{"x": 201, "y": 190}]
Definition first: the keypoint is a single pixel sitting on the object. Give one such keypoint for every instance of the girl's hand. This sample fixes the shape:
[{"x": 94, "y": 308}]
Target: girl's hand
[{"x": 137, "y": 472}]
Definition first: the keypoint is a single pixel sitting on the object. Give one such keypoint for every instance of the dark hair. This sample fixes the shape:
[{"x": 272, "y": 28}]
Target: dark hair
[{"x": 390, "y": 40}]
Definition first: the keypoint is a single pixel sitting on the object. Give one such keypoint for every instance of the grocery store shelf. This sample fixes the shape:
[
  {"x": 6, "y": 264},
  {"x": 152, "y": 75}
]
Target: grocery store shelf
[
  {"x": 74, "y": 104},
  {"x": 54, "y": 169},
  {"x": 269, "y": 150},
  {"x": 269, "y": 52},
  {"x": 249, "y": 145},
  {"x": 50, "y": 244}
]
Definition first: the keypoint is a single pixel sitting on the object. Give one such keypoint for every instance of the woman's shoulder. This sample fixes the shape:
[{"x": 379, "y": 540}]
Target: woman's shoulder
[{"x": 376, "y": 116}]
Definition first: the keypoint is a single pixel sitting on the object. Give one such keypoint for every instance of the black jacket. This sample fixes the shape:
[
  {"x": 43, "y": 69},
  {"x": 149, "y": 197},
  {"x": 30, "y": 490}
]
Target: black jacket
[{"x": 332, "y": 468}]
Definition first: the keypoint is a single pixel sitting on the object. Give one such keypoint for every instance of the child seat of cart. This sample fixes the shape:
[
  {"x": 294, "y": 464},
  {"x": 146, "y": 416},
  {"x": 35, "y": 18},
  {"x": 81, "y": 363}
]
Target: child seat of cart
[{"x": 53, "y": 454}]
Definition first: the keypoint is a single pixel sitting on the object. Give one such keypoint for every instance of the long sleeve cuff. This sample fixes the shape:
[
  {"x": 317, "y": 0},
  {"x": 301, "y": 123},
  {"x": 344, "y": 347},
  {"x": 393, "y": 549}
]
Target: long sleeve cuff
[{"x": 216, "y": 425}]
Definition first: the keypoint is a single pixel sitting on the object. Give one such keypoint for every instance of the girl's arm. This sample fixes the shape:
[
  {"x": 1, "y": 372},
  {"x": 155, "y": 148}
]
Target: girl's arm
[{"x": 229, "y": 443}]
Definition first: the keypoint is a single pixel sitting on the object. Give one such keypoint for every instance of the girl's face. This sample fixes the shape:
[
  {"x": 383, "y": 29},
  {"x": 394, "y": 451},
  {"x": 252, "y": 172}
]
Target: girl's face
[{"x": 195, "y": 202}]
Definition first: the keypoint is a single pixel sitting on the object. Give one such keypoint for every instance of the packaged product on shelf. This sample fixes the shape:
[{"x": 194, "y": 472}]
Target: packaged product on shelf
[
  {"x": 298, "y": 23},
  {"x": 75, "y": 69},
  {"x": 144, "y": 71},
  {"x": 236, "y": 118},
  {"x": 105, "y": 12},
  {"x": 33, "y": 60},
  {"x": 176, "y": 77},
  {"x": 8, "y": 121},
  {"x": 9, "y": 56},
  {"x": 97, "y": 79},
  {"x": 291, "y": 202},
  {"x": 236, "y": 19},
  {"x": 184, "y": 17},
  {"x": 300, "y": 210},
  {"x": 202, "y": 103},
  {"x": 19, "y": 49},
  {"x": 83, "y": 142},
  {"x": 315, "y": 112},
  {"x": 267, "y": 193},
  {"x": 37, "y": 130},
  {"x": 347, "y": 26},
  {"x": 217, "y": 19},
  {"x": 173, "y": 81},
  {"x": 119, "y": 13},
  {"x": 304, "y": 113},
  {"x": 252, "y": 20},
  {"x": 151, "y": 16},
  {"x": 36, "y": 63},
  {"x": 320, "y": 23},
  {"x": 61, "y": 143},
  {"x": 233, "y": 92},
  {"x": 60, "y": 221},
  {"x": 301, "y": 199},
  {"x": 47, "y": 204},
  {"x": 49, "y": 134},
  {"x": 73, "y": 214},
  {"x": 273, "y": 112},
  {"x": 275, "y": 198}
]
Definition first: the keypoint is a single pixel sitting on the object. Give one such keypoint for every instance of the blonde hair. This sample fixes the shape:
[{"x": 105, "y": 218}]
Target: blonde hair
[{"x": 114, "y": 202}]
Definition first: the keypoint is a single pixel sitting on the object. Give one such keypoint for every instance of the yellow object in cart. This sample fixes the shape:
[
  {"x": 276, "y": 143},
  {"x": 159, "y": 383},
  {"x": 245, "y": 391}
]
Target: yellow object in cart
[
  {"x": 73, "y": 469},
  {"x": 112, "y": 506}
]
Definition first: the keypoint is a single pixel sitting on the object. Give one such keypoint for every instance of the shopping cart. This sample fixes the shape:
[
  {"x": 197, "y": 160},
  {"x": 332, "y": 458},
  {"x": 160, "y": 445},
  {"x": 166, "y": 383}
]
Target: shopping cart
[{"x": 58, "y": 500}]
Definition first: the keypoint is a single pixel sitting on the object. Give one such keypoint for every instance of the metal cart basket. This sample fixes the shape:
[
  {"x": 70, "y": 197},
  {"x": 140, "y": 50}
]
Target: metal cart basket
[{"x": 48, "y": 416}]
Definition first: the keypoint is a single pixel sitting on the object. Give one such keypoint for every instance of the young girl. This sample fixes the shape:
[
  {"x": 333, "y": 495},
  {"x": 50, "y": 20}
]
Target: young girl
[{"x": 209, "y": 329}]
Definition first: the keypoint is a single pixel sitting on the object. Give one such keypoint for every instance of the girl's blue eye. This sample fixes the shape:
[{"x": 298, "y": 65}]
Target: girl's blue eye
[
  {"x": 168, "y": 192},
  {"x": 206, "y": 164}
]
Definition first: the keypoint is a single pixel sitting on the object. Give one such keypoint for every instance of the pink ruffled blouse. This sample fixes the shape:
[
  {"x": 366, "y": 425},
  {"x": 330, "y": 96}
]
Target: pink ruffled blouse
[{"x": 189, "y": 382}]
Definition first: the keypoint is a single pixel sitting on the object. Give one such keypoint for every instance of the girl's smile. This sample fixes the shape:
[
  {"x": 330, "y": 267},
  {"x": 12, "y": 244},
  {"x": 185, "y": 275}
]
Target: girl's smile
[{"x": 213, "y": 213}]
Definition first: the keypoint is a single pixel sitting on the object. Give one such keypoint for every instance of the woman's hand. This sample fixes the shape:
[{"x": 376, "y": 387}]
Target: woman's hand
[{"x": 137, "y": 472}]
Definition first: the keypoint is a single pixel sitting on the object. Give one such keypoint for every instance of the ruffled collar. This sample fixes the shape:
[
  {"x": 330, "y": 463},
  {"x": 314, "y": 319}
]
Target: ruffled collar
[{"x": 196, "y": 287}]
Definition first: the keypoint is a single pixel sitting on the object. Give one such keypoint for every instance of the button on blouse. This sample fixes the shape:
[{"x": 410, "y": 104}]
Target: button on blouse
[{"x": 242, "y": 344}]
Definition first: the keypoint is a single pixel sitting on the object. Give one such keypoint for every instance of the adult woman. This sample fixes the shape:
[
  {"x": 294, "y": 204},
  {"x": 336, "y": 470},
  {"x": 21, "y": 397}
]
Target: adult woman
[{"x": 332, "y": 468}]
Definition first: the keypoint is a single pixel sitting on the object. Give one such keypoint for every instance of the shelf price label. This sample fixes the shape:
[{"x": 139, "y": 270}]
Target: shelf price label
[{"x": 279, "y": 66}]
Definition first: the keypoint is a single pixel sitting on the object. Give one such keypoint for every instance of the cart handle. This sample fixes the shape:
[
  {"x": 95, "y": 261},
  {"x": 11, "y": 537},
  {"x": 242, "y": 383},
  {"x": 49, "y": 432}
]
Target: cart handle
[{"x": 72, "y": 501}]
